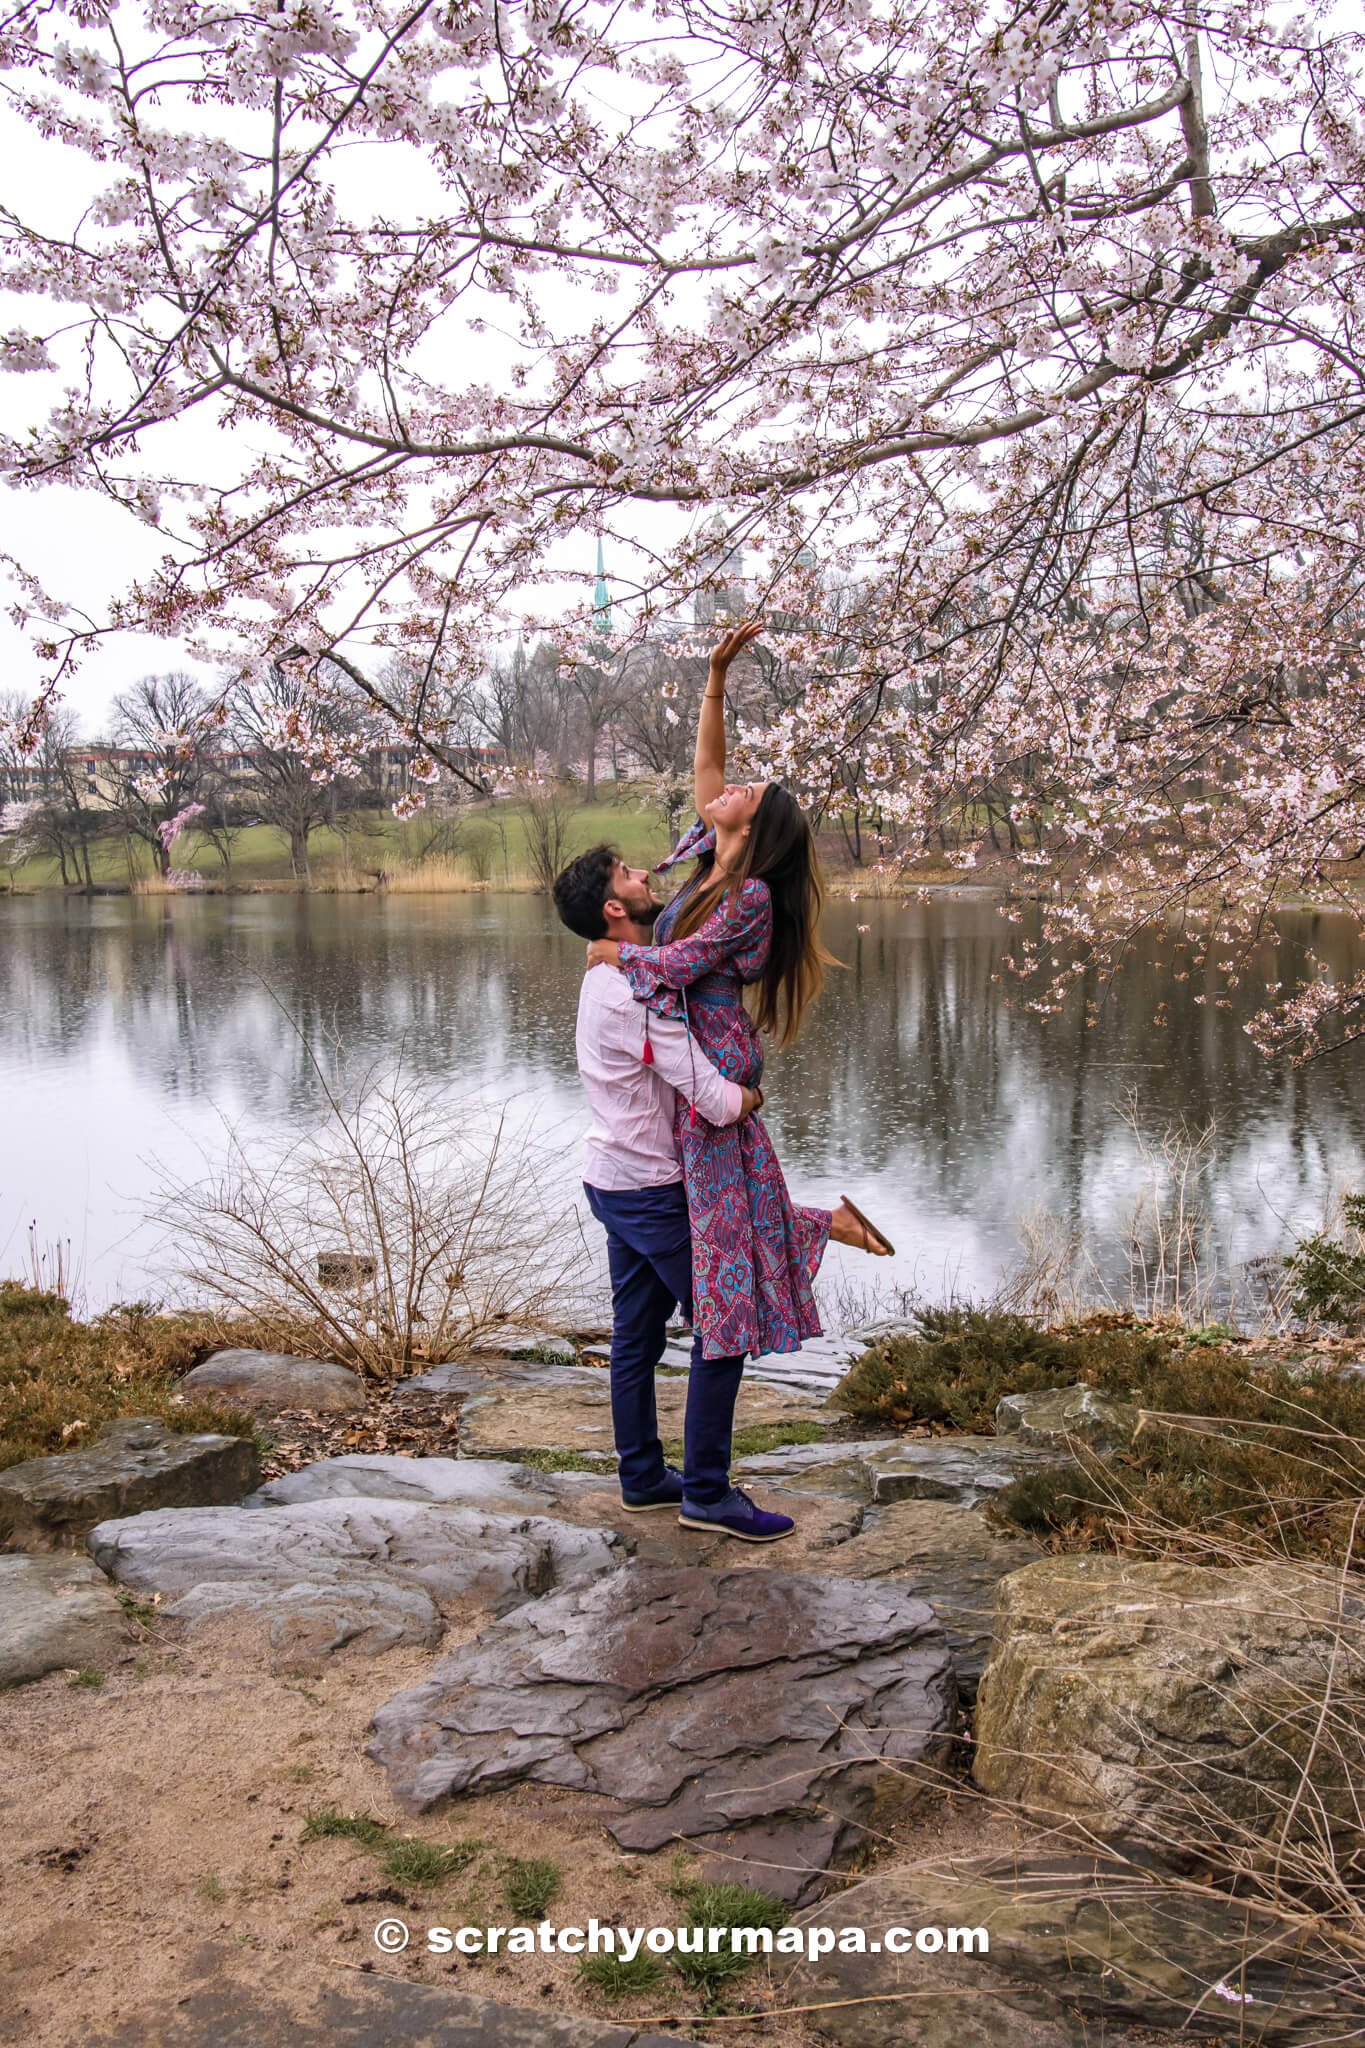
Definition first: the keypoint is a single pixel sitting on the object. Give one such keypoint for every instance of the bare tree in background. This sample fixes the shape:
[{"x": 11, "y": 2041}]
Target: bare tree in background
[
  {"x": 60, "y": 824},
  {"x": 549, "y": 809},
  {"x": 163, "y": 723},
  {"x": 298, "y": 743}
]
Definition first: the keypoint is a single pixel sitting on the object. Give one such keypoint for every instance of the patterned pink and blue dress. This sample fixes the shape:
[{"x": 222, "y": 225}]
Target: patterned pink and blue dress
[{"x": 755, "y": 1253}]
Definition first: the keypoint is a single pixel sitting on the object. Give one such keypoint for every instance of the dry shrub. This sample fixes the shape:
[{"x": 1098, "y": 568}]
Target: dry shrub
[
  {"x": 60, "y": 1379},
  {"x": 442, "y": 1213},
  {"x": 953, "y": 1365}
]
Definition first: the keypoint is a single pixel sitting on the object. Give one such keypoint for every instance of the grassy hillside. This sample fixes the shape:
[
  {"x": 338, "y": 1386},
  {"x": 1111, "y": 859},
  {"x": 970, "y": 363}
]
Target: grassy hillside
[{"x": 490, "y": 846}]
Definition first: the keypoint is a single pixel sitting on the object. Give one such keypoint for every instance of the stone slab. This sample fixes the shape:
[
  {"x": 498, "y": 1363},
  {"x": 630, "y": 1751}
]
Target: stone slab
[
  {"x": 500, "y": 1486},
  {"x": 350, "y": 2010},
  {"x": 951, "y": 1557},
  {"x": 1182, "y": 1705},
  {"x": 841, "y": 1469},
  {"x": 1077, "y": 1943},
  {"x": 749, "y": 1714},
  {"x": 133, "y": 1463},
  {"x": 57, "y": 1613},
  {"x": 1053, "y": 1415},
  {"x": 268, "y": 1382},
  {"x": 321, "y": 1574},
  {"x": 577, "y": 1417},
  {"x": 965, "y": 1469}
]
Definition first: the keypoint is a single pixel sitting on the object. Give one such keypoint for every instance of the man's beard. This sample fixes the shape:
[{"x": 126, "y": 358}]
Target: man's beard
[{"x": 646, "y": 912}]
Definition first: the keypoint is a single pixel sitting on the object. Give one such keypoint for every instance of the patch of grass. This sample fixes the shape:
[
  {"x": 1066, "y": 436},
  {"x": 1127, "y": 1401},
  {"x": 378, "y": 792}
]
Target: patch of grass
[
  {"x": 411, "y": 1861},
  {"x": 614, "y": 1977},
  {"x": 211, "y": 1889},
  {"x": 759, "y": 1436},
  {"x": 528, "y": 1885},
  {"x": 723, "y": 1906},
  {"x": 88, "y": 1680},
  {"x": 562, "y": 1461},
  {"x": 60, "y": 1378},
  {"x": 140, "y": 1611},
  {"x": 322, "y": 1823}
]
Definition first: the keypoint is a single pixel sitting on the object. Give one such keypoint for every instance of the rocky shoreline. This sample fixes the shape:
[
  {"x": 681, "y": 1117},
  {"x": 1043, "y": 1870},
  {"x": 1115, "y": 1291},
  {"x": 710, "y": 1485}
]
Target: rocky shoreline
[{"x": 448, "y": 1559}]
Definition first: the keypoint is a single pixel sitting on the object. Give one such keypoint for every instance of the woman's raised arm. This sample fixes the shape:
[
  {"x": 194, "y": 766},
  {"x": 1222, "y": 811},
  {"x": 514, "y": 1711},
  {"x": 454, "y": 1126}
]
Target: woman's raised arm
[{"x": 708, "y": 764}]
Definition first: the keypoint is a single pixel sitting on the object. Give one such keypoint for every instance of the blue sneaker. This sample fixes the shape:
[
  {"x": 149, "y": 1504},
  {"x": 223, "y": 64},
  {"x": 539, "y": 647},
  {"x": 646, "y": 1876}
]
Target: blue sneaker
[
  {"x": 667, "y": 1494},
  {"x": 735, "y": 1515}
]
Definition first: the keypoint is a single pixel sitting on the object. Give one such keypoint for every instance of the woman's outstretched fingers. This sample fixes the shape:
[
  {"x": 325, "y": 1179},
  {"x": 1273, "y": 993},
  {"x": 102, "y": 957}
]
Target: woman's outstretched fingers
[{"x": 735, "y": 641}]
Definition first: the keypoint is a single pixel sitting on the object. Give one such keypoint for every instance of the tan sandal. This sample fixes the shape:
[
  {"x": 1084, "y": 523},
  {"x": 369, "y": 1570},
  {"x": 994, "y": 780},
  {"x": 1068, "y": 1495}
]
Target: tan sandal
[{"x": 867, "y": 1224}]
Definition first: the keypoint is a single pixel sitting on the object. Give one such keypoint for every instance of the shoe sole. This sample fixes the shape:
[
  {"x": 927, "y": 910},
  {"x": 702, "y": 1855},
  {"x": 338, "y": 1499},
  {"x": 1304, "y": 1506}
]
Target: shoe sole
[
  {"x": 649, "y": 1507},
  {"x": 740, "y": 1535}
]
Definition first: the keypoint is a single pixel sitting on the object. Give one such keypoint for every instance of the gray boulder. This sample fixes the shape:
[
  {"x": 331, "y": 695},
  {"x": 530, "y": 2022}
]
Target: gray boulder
[
  {"x": 754, "y": 1715},
  {"x": 267, "y": 1382},
  {"x": 1056, "y": 1417},
  {"x": 325, "y": 1573},
  {"x": 133, "y": 1463},
  {"x": 1058, "y": 1951},
  {"x": 1216, "y": 1714},
  {"x": 965, "y": 1469},
  {"x": 56, "y": 1614},
  {"x": 947, "y": 1555}
]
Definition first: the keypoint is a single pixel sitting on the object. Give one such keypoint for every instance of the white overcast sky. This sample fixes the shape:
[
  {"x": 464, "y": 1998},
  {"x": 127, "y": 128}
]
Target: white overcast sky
[{"x": 84, "y": 548}]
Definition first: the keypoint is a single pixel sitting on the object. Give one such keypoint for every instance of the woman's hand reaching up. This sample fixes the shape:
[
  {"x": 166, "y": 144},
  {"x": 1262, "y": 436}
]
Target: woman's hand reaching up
[
  {"x": 734, "y": 642},
  {"x": 600, "y": 950}
]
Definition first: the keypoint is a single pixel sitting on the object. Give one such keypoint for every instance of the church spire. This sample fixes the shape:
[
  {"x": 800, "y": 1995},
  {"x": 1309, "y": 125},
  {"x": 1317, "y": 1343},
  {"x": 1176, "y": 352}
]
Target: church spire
[{"x": 601, "y": 598}]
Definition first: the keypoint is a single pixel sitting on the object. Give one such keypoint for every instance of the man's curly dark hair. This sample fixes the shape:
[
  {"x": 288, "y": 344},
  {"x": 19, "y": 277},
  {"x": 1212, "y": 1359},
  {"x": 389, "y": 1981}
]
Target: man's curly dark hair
[{"x": 582, "y": 888}]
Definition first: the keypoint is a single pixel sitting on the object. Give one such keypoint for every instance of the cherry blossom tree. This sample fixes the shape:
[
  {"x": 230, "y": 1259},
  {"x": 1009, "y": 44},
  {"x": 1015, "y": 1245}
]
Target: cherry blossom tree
[{"x": 1040, "y": 321}]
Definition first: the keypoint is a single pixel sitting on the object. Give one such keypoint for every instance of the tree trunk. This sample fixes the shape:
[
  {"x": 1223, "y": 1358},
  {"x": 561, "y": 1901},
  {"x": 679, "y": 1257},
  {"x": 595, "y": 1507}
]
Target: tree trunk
[{"x": 298, "y": 853}]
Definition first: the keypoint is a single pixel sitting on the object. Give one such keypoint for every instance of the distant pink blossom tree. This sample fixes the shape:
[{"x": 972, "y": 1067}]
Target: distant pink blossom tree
[{"x": 1040, "y": 322}]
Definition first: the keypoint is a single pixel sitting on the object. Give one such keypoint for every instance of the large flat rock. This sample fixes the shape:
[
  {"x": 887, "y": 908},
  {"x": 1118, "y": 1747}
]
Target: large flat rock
[
  {"x": 841, "y": 1469},
  {"x": 133, "y": 1463},
  {"x": 577, "y": 1416},
  {"x": 1071, "y": 1940},
  {"x": 949, "y": 1556},
  {"x": 57, "y": 1613},
  {"x": 323, "y": 1574},
  {"x": 505, "y": 1487},
  {"x": 268, "y": 1382},
  {"x": 749, "y": 1714},
  {"x": 377, "y": 2011}
]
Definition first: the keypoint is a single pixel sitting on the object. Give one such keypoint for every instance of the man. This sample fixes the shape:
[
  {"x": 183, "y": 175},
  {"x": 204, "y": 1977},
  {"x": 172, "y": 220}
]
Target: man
[{"x": 633, "y": 1065}]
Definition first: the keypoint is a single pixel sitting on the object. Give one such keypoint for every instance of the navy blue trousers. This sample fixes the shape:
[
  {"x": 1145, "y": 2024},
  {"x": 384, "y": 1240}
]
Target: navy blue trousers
[{"x": 649, "y": 1250}]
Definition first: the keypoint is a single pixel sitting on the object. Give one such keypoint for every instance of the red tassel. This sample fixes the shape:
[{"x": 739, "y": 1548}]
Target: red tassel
[{"x": 647, "y": 1056}]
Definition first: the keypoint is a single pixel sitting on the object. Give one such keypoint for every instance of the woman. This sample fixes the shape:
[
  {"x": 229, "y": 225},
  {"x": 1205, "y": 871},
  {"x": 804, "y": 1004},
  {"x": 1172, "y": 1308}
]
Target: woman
[{"x": 748, "y": 916}]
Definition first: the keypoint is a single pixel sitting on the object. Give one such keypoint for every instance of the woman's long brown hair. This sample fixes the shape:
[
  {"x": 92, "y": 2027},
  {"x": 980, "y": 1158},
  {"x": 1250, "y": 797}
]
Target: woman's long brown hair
[{"x": 780, "y": 850}]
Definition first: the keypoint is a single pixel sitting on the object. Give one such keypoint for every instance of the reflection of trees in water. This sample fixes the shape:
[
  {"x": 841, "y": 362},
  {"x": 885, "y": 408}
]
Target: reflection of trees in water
[
  {"x": 193, "y": 991},
  {"x": 912, "y": 1068},
  {"x": 917, "y": 1064}
]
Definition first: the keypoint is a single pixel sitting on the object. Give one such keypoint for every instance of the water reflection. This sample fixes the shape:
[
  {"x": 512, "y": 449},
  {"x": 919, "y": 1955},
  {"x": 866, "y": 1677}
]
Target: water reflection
[{"x": 921, "y": 1085}]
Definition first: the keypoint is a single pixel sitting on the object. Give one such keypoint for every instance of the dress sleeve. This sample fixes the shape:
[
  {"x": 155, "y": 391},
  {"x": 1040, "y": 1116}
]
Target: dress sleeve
[{"x": 737, "y": 934}]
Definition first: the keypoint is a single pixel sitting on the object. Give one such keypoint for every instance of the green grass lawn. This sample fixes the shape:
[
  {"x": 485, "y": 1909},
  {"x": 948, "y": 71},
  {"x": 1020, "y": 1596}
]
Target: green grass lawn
[{"x": 378, "y": 840}]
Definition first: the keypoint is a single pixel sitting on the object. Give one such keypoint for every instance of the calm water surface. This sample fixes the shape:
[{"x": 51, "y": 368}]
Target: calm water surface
[{"x": 131, "y": 1029}]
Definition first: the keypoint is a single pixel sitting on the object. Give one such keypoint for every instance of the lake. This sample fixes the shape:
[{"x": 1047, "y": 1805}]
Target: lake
[{"x": 133, "y": 1028}]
